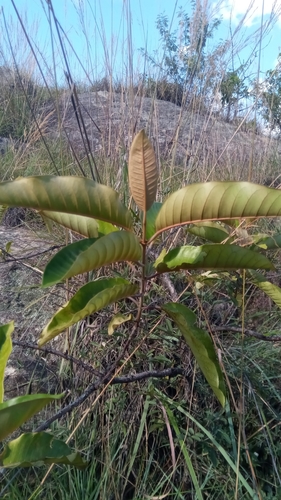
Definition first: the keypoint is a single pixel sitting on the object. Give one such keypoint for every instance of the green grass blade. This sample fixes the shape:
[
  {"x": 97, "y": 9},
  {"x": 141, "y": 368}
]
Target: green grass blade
[
  {"x": 220, "y": 449},
  {"x": 185, "y": 452},
  {"x": 139, "y": 435}
]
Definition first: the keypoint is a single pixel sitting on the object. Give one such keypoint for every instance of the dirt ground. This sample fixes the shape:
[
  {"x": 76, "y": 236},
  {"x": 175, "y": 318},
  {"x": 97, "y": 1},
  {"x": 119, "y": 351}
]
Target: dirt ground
[{"x": 23, "y": 301}]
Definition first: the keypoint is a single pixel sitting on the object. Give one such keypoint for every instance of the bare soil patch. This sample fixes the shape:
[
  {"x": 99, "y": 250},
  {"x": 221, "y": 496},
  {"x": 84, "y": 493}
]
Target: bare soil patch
[{"x": 23, "y": 301}]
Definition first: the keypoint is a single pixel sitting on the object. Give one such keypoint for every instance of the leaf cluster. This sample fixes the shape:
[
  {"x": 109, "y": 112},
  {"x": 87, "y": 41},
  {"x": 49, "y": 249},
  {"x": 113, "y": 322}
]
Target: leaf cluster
[
  {"x": 182, "y": 70},
  {"x": 269, "y": 97},
  {"x": 214, "y": 211},
  {"x": 30, "y": 448}
]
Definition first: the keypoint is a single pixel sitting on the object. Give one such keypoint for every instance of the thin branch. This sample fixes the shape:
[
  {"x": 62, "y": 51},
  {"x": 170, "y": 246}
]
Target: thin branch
[
  {"x": 126, "y": 379},
  {"x": 28, "y": 256},
  {"x": 168, "y": 372},
  {"x": 248, "y": 333},
  {"x": 92, "y": 387},
  {"x": 66, "y": 356},
  {"x": 67, "y": 409}
]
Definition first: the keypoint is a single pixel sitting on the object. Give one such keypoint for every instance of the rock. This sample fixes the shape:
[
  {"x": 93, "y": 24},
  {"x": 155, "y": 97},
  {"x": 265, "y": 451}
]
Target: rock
[{"x": 185, "y": 138}]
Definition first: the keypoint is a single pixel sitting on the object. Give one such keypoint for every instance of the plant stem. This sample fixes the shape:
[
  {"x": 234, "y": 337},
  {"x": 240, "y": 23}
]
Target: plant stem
[{"x": 143, "y": 282}]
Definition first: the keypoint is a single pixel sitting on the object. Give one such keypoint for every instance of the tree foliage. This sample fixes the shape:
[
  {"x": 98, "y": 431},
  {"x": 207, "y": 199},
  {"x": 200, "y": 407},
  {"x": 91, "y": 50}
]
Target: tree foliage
[
  {"x": 33, "y": 448},
  {"x": 269, "y": 97},
  {"x": 232, "y": 89},
  {"x": 183, "y": 71},
  {"x": 198, "y": 204}
]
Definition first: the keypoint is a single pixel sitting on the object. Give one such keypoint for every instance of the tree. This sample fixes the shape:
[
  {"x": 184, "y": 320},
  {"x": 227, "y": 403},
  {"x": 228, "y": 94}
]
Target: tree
[
  {"x": 114, "y": 234},
  {"x": 269, "y": 97},
  {"x": 96, "y": 212},
  {"x": 182, "y": 70},
  {"x": 232, "y": 90}
]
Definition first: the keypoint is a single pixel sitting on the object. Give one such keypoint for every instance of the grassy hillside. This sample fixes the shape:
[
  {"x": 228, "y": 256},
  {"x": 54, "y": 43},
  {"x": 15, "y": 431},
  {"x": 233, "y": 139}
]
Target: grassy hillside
[{"x": 137, "y": 405}]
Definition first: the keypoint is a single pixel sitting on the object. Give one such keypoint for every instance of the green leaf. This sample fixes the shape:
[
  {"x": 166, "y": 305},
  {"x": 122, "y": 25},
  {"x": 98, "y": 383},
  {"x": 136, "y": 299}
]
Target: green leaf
[
  {"x": 86, "y": 226},
  {"x": 89, "y": 254},
  {"x": 201, "y": 346},
  {"x": 39, "y": 448},
  {"x": 74, "y": 195},
  {"x": 16, "y": 411},
  {"x": 267, "y": 242},
  {"x": 214, "y": 256},
  {"x": 5, "y": 351},
  {"x": 211, "y": 231},
  {"x": 8, "y": 246},
  {"x": 143, "y": 172},
  {"x": 89, "y": 299},
  {"x": 273, "y": 291},
  {"x": 218, "y": 201},
  {"x": 117, "y": 320},
  {"x": 151, "y": 218}
]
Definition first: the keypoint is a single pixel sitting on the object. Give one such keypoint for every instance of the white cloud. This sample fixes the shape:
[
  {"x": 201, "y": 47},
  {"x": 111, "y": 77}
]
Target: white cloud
[{"x": 251, "y": 9}]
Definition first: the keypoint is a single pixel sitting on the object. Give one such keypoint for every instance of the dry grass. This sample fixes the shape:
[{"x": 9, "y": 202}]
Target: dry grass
[{"x": 130, "y": 440}]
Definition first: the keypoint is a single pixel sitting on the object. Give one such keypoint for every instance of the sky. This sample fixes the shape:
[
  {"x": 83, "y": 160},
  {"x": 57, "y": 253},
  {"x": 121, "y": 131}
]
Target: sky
[{"x": 110, "y": 24}]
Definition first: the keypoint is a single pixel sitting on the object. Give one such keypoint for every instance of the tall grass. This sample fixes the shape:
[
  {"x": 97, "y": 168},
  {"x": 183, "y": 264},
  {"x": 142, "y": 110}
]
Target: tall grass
[{"x": 155, "y": 438}]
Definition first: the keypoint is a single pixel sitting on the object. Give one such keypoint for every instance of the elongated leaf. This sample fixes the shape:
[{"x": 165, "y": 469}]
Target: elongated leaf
[
  {"x": 214, "y": 256},
  {"x": 218, "y": 201},
  {"x": 143, "y": 174},
  {"x": 8, "y": 246},
  {"x": 89, "y": 254},
  {"x": 38, "y": 448},
  {"x": 73, "y": 195},
  {"x": 89, "y": 299},
  {"x": 151, "y": 218},
  {"x": 201, "y": 346},
  {"x": 5, "y": 351},
  {"x": 266, "y": 242},
  {"x": 16, "y": 411},
  {"x": 273, "y": 291},
  {"x": 86, "y": 226},
  {"x": 211, "y": 231}
]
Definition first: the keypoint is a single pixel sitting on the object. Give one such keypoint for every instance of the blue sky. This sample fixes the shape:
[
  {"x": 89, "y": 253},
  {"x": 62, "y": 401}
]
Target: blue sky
[{"x": 106, "y": 24}]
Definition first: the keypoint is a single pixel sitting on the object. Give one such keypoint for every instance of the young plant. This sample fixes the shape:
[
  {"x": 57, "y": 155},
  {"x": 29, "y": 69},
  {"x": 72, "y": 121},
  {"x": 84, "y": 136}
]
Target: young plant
[
  {"x": 96, "y": 212},
  {"x": 32, "y": 448}
]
